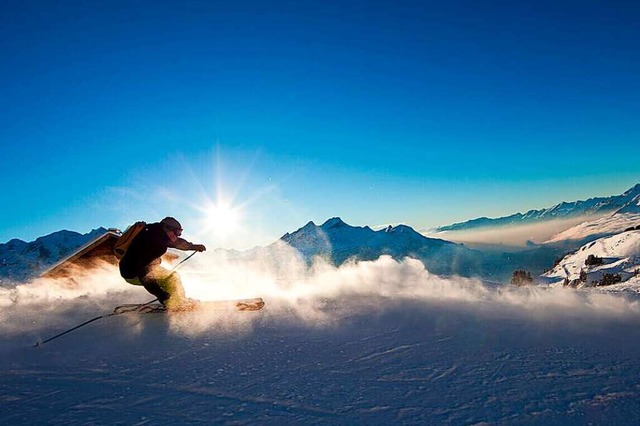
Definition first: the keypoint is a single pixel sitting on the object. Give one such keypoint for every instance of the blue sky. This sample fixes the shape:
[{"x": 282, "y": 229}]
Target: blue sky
[{"x": 425, "y": 113}]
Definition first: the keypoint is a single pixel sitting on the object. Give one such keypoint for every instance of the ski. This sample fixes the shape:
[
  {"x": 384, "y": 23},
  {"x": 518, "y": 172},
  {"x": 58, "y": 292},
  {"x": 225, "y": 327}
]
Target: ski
[{"x": 254, "y": 304}]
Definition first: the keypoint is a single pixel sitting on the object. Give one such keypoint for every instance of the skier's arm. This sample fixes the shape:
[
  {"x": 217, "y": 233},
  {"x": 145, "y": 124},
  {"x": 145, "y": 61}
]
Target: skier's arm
[{"x": 182, "y": 244}]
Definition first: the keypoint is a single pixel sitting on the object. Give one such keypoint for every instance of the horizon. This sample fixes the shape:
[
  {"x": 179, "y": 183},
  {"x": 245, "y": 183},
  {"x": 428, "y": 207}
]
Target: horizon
[
  {"x": 464, "y": 236},
  {"x": 505, "y": 235},
  {"x": 245, "y": 120}
]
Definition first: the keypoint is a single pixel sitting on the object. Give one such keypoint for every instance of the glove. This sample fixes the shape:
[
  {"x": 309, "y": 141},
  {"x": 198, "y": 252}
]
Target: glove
[{"x": 199, "y": 247}]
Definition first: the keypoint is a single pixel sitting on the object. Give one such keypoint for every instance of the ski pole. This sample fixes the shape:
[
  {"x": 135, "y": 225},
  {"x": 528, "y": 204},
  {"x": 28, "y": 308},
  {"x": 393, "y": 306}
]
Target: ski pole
[
  {"x": 173, "y": 270},
  {"x": 85, "y": 323},
  {"x": 71, "y": 329}
]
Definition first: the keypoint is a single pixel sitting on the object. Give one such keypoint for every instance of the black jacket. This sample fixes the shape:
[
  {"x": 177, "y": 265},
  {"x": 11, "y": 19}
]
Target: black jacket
[{"x": 146, "y": 249}]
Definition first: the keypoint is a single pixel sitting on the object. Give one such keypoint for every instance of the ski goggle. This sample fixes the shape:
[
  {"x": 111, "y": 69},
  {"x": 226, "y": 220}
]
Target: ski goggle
[{"x": 176, "y": 231}]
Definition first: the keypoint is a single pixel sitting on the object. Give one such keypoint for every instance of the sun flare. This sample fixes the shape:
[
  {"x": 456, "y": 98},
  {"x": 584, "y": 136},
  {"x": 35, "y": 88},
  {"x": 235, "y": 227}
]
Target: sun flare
[{"x": 223, "y": 218}]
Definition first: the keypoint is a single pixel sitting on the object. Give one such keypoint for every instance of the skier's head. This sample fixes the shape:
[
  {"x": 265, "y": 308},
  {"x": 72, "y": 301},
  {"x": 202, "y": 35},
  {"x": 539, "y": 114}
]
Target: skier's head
[{"x": 171, "y": 224}]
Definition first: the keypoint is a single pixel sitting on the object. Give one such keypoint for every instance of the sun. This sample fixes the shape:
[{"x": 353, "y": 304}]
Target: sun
[{"x": 223, "y": 218}]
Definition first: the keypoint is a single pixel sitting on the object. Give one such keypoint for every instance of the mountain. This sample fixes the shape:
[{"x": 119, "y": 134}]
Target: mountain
[
  {"x": 632, "y": 207},
  {"x": 628, "y": 201},
  {"x": 20, "y": 260},
  {"x": 605, "y": 226},
  {"x": 334, "y": 241},
  {"x": 606, "y": 261},
  {"x": 338, "y": 242}
]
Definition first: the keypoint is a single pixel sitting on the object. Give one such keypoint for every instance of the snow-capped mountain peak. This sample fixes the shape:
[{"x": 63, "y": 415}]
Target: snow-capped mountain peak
[
  {"x": 334, "y": 222},
  {"x": 338, "y": 241},
  {"x": 632, "y": 192},
  {"x": 632, "y": 206}
]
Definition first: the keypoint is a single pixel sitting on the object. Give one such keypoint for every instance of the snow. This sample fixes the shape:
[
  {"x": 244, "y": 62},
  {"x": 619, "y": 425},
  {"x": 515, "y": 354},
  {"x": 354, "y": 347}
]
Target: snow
[
  {"x": 607, "y": 225},
  {"x": 376, "y": 342},
  {"x": 620, "y": 255},
  {"x": 383, "y": 340}
]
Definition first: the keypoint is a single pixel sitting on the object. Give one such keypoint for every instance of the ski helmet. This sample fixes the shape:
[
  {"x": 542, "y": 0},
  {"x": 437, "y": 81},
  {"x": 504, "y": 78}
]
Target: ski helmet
[{"x": 171, "y": 223}]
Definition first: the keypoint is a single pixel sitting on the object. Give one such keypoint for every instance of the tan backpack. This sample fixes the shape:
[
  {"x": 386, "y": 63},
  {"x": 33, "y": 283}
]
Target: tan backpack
[{"x": 123, "y": 243}]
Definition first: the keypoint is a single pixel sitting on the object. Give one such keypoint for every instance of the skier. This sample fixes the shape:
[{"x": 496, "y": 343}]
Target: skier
[{"x": 140, "y": 265}]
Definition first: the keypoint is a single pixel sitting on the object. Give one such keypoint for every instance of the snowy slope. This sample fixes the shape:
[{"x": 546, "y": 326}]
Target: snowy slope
[
  {"x": 380, "y": 342},
  {"x": 620, "y": 256},
  {"x": 594, "y": 206},
  {"x": 604, "y": 226}
]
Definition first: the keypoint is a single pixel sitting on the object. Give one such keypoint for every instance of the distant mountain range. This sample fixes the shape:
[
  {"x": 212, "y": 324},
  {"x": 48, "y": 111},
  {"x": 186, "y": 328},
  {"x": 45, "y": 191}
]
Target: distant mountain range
[
  {"x": 20, "y": 260},
  {"x": 337, "y": 242},
  {"x": 334, "y": 241},
  {"x": 626, "y": 202}
]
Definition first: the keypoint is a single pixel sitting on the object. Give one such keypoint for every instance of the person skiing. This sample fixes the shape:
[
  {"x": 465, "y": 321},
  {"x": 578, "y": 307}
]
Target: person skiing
[{"x": 140, "y": 265}]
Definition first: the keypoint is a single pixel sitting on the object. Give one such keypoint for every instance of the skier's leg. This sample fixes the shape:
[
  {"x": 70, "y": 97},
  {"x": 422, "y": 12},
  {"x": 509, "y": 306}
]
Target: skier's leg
[
  {"x": 151, "y": 285},
  {"x": 167, "y": 287},
  {"x": 171, "y": 285},
  {"x": 151, "y": 281}
]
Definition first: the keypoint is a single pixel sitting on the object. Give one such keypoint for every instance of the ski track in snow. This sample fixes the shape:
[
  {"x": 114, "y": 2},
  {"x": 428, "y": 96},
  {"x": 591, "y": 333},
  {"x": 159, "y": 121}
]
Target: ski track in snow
[{"x": 410, "y": 362}]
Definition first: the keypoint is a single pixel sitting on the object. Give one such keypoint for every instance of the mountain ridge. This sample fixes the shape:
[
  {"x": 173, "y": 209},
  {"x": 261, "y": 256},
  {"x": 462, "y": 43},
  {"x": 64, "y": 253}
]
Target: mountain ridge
[
  {"x": 20, "y": 260},
  {"x": 338, "y": 242},
  {"x": 591, "y": 206}
]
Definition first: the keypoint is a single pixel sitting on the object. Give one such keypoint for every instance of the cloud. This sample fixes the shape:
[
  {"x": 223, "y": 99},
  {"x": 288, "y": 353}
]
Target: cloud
[
  {"x": 321, "y": 293},
  {"x": 516, "y": 235}
]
